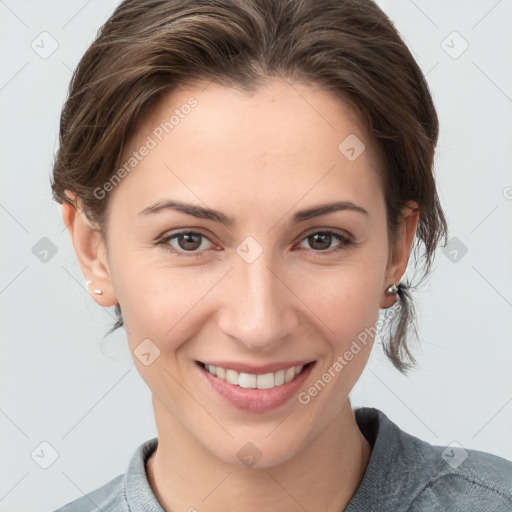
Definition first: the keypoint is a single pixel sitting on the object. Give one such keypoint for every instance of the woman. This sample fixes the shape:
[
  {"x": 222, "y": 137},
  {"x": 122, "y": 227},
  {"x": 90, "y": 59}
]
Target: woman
[{"x": 245, "y": 180}]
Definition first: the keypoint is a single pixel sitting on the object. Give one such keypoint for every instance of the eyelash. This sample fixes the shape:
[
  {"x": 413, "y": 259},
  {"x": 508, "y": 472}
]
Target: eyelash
[{"x": 345, "y": 242}]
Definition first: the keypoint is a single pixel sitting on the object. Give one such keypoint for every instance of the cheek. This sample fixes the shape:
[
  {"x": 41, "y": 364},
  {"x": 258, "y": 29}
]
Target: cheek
[
  {"x": 344, "y": 298},
  {"x": 157, "y": 300},
  {"x": 347, "y": 302}
]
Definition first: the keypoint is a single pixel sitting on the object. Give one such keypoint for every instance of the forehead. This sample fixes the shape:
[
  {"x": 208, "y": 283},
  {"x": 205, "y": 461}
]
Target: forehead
[{"x": 281, "y": 138}]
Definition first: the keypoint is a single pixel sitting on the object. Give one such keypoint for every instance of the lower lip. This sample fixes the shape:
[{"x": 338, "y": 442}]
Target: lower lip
[{"x": 256, "y": 400}]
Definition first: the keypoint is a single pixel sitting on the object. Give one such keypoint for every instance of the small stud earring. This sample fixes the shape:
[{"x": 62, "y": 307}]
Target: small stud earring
[
  {"x": 98, "y": 291},
  {"x": 392, "y": 289}
]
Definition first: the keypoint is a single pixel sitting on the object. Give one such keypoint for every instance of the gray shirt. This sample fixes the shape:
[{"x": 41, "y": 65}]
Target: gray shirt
[{"x": 404, "y": 474}]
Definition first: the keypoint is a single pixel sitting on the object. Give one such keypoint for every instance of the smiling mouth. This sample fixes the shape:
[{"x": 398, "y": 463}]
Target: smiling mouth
[{"x": 255, "y": 381}]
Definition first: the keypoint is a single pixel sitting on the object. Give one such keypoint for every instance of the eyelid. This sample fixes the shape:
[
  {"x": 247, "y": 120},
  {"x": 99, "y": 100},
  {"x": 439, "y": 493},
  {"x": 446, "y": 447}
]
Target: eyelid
[
  {"x": 302, "y": 236},
  {"x": 336, "y": 231},
  {"x": 183, "y": 231}
]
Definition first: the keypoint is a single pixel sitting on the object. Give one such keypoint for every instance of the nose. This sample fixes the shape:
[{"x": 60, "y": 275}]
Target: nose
[{"x": 259, "y": 308}]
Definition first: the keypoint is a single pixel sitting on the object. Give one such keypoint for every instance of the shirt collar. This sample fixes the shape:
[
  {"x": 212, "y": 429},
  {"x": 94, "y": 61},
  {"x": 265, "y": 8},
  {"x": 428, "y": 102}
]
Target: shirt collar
[{"x": 138, "y": 492}]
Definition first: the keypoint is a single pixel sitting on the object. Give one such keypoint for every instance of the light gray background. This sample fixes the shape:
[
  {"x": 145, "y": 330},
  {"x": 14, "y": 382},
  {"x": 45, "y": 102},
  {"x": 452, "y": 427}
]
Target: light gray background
[{"x": 62, "y": 384}]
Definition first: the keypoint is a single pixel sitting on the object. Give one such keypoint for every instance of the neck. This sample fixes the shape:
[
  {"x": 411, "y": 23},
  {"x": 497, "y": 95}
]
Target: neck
[{"x": 323, "y": 476}]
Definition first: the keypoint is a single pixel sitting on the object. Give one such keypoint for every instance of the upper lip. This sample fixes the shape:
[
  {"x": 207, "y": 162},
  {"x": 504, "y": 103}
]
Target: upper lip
[{"x": 256, "y": 370}]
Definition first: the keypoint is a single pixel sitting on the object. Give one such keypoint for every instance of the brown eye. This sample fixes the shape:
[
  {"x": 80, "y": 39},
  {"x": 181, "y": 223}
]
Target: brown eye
[
  {"x": 186, "y": 243},
  {"x": 321, "y": 240},
  {"x": 189, "y": 241}
]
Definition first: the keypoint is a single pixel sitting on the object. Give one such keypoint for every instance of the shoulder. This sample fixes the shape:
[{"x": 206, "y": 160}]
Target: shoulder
[
  {"x": 414, "y": 475},
  {"x": 472, "y": 479},
  {"x": 128, "y": 492},
  {"x": 107, "y": 497}
]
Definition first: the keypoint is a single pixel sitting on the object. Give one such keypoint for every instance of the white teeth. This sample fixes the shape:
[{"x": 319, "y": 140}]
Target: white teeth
[
  {"x": 289, "y": 374},
  {"x": 232, "y": 377},
  {"x": 246, "y": 380},
  {"x": 279, "y": 378},
  {"x": 250, "y": 381},
  {"x": 266, "y": 381}
]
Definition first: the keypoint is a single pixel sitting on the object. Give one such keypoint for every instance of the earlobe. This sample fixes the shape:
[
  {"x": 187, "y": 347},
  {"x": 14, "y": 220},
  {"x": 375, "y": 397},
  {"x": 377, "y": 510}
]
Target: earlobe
[
  {"x": 90, "y": 251},
  {"x": 405, "y": 238}
]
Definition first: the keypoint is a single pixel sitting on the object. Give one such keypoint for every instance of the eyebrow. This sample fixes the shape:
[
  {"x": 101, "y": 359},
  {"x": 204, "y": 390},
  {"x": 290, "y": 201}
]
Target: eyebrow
[{"x": 216, "y": 216}]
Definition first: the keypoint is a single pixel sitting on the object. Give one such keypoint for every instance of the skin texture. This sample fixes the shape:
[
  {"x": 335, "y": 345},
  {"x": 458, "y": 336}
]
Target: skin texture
[{"x": 259, "y": 158}]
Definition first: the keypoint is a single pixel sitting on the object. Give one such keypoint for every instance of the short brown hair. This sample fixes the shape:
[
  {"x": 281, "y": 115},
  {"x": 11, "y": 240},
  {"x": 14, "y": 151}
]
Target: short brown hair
[{"x": 349, "y": 47}]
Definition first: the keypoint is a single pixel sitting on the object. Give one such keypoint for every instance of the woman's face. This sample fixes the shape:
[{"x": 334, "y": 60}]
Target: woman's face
[{"x": 271, "y": 288}]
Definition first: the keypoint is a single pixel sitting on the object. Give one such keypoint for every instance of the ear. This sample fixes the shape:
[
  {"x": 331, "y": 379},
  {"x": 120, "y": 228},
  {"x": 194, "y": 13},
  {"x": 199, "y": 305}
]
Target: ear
[
  {"x": 90, "y": 250},
  {"x": 398, "y": 264}
]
